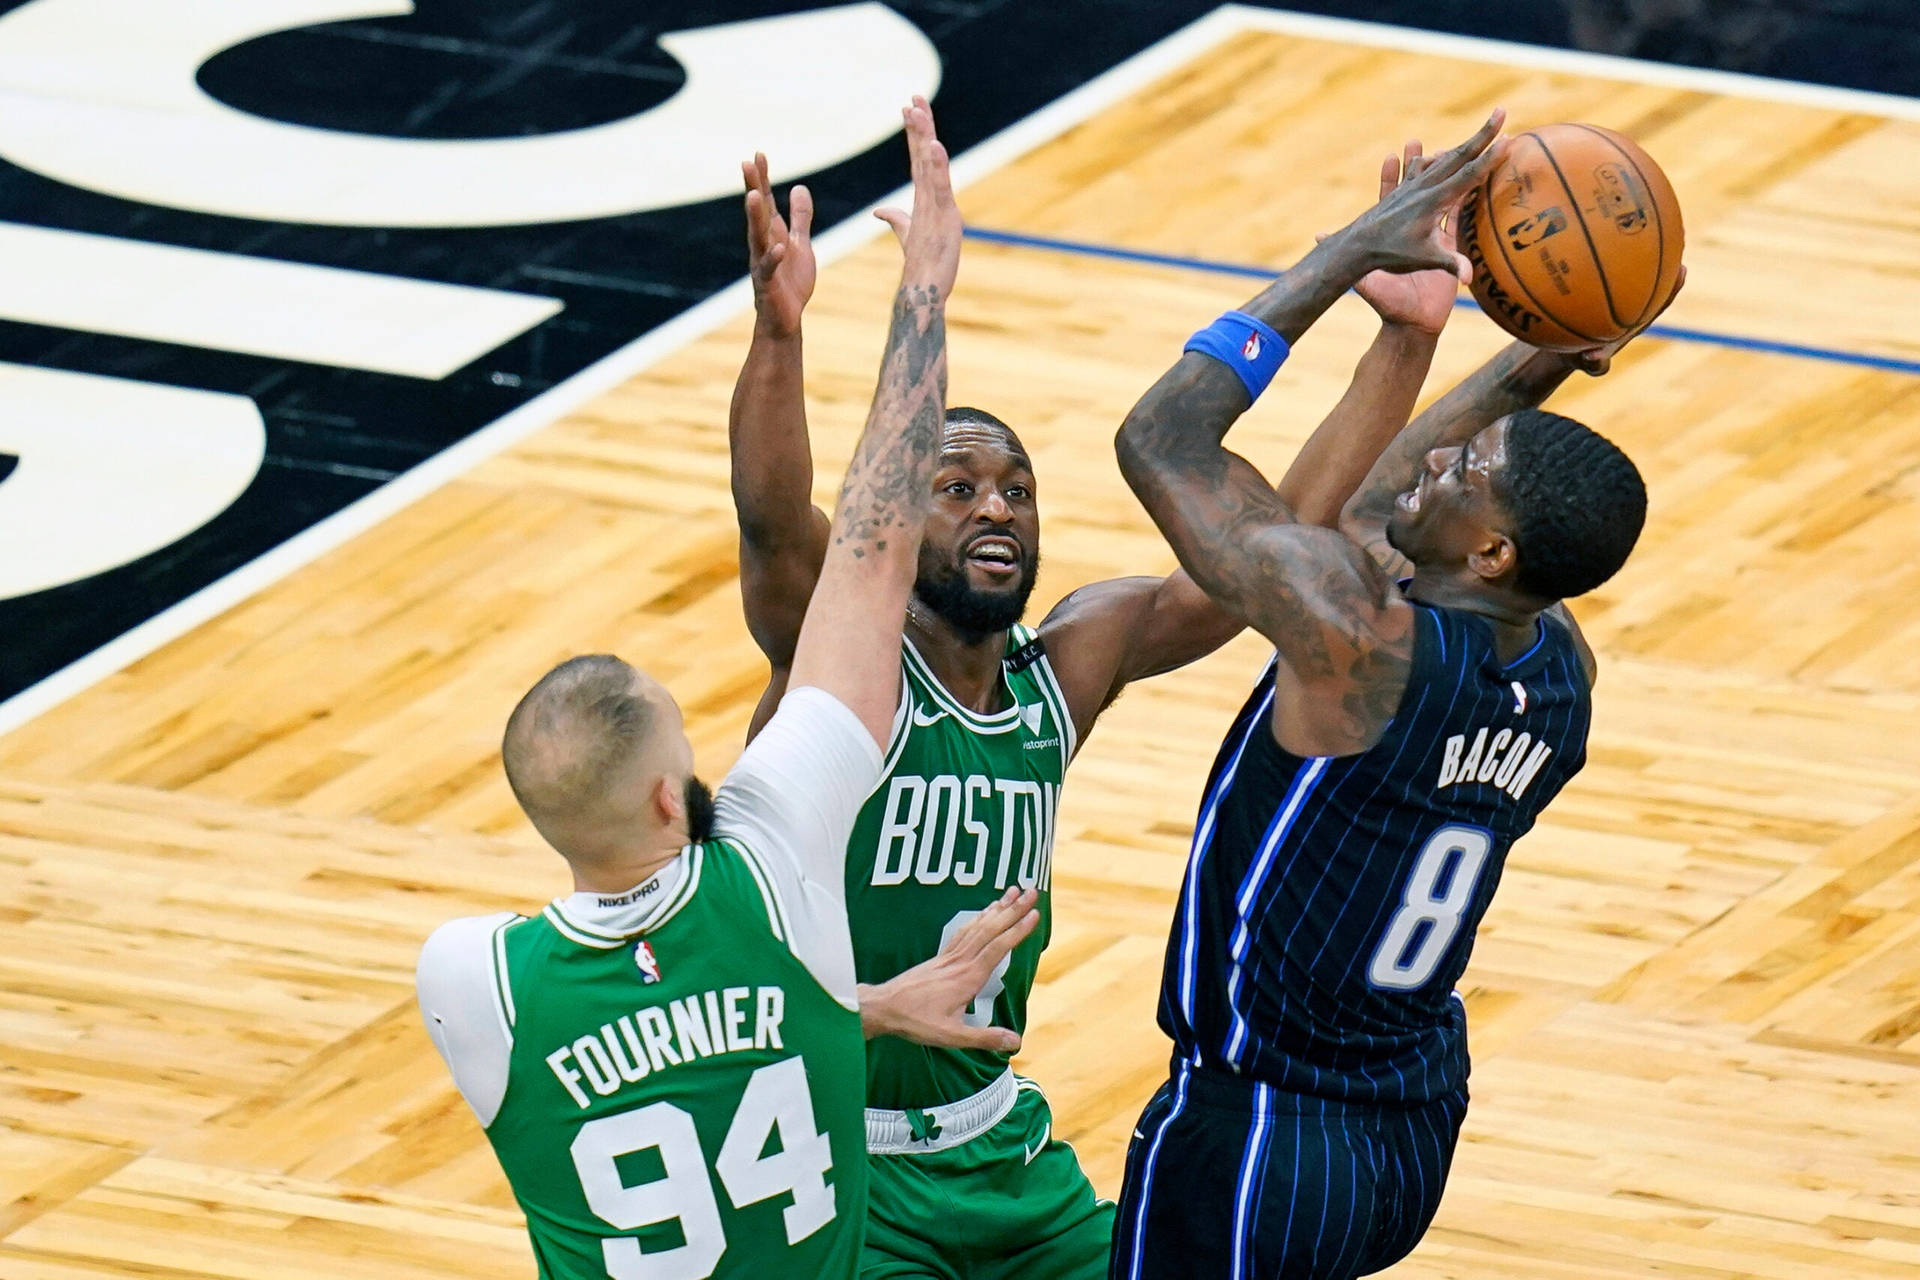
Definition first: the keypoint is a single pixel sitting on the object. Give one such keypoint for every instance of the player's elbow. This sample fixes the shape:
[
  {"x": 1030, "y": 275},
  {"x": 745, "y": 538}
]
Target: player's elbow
[
  {"x": 1138, "y": 463},
  {"x": 760, "y": 535},
  {"x": 780, "y": 530},
  {"x": 766, "y": 523},
  {"x": 1223, "y": 589}
]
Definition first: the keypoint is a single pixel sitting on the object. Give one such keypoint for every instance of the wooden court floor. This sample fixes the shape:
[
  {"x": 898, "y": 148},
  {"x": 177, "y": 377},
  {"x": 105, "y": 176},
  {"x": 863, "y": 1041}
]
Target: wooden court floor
[{"x": 1696, "y": 1001}]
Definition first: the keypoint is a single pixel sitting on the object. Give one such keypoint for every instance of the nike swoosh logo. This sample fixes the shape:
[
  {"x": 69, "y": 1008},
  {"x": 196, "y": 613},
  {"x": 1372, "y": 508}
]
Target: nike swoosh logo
[
  {"x": 925, "y": 721},
  {"x": 1046, "y": 1133}
]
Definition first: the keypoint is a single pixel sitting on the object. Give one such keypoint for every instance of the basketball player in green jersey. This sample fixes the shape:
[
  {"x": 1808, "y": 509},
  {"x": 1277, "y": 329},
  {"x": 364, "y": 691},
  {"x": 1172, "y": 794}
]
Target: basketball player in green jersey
[
  {"x": 669, "y": 1061},
  {"x": 966, "y": 1179}
]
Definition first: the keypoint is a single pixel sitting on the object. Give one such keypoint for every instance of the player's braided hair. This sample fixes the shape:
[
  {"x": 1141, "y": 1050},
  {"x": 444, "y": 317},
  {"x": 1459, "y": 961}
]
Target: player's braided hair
[{"x": 1577, "y": 504}]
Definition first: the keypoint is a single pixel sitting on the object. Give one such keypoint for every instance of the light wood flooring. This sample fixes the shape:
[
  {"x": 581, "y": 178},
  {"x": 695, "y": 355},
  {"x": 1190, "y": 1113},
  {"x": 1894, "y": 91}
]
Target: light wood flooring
[{"x": 1696, "y": 1001}]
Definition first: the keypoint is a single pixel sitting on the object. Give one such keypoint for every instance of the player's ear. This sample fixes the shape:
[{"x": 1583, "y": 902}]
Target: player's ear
[
  {"x": 1496, "y": 559},
  {"x": 669, "y": 802}
]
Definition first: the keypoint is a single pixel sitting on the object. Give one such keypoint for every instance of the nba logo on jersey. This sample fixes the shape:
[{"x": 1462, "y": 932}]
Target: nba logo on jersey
[
  {"x": 644, "y": 961},
  {"x": 1252, "y": 350}
]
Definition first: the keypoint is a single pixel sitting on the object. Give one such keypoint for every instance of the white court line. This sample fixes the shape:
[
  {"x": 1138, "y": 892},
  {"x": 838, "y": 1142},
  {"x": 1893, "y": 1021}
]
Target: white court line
[
  {"x": 1043, "y": 126},
  {"x": 1569, "y": 61}
]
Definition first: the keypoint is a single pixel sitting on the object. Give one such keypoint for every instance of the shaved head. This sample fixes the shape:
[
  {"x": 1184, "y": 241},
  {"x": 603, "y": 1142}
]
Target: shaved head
[
  {"x": 586, "y": 750},
  {"x": 965, "y": 427},
  {"x": 579, "y": 725}
]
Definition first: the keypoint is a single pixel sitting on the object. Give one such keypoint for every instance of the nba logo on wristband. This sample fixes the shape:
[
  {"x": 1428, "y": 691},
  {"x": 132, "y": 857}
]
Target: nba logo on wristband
[{"x": 1253, "y": 349}]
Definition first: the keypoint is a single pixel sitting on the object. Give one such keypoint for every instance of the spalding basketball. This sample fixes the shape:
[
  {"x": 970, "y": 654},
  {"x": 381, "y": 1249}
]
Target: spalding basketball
[{"x": 1575, "y": 237}]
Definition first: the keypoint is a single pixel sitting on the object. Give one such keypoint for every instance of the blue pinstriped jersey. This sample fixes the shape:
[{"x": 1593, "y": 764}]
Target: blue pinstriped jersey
[{"x": 1330, "y": 902}]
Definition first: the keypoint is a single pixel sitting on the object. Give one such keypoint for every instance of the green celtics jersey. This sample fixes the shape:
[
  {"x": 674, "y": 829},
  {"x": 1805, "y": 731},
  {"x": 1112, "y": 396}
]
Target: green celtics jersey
[
  {"x": 683, "y": 1102},
  {"x": 964, "y": 808}
]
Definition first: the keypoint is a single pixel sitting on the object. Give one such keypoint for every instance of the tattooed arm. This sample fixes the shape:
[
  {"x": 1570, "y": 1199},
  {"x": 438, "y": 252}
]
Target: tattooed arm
[
  {"x": 1109, "y": 634},
  {"x": 849, "y": 644},
  {"x": 1344, "y": 635},
  {"x": 1106, "y": 635}
]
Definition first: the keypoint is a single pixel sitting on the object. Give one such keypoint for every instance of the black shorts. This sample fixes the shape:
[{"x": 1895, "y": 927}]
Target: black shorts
[{"x": 1227, "y": 1178}]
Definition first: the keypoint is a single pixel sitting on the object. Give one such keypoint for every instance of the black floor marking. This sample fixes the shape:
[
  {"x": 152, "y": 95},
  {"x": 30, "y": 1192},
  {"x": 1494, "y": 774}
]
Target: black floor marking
[{"x": 472, "y": 68}]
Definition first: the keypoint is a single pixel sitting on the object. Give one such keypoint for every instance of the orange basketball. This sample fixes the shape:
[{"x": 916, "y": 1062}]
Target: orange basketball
[{"x": 1575, "y": 237}]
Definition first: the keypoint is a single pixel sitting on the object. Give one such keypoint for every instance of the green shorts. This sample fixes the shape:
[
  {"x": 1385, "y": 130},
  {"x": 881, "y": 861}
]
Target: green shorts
[{"x": 1010, "y": 1203}]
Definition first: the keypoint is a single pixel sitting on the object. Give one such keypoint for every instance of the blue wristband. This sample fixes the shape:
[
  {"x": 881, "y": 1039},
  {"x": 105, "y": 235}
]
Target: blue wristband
[{"x": 1245, "y": 345}]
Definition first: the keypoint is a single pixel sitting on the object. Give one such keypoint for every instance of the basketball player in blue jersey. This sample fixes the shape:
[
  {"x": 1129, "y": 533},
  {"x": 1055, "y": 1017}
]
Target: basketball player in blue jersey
[{"x": 1407, "y": 731}]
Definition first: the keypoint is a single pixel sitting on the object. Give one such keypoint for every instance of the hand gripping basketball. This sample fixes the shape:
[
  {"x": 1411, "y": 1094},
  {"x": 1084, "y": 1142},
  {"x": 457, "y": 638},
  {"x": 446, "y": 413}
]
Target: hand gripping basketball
[
  {"x": 1419, "y": 300},
  {"x": 1595, "y": 361},
  {"x": 1408, "y": 229}
]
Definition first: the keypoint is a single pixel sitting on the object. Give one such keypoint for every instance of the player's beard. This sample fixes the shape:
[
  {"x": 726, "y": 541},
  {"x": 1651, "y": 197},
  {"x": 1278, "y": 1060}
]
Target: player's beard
[
  {"x": 698, "y": 797},
  {"x": 943, "y": 588}
]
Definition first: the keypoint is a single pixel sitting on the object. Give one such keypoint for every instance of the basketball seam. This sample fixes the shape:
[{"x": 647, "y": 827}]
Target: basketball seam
[
  {"x": 1599, "y": 267},
  {"x": 1659, "y": 230},
  {"x": 1500, "y": 243}
]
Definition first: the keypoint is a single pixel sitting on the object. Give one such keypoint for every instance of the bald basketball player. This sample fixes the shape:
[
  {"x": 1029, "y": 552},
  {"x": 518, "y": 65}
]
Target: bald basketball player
[
  {"x": 669, "y": 1061},
  {"x": 967, "y": 1178}
]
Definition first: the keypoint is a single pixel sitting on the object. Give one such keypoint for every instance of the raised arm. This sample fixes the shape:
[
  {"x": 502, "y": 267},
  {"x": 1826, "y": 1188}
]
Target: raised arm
[
  {"x": 849, "y": 644},
  {"x": 783, "y": 536},
  {"x": 1343, "y": 634},
  {"x": 1519, "y": 377},
  {"x": 1106, "y": 635},
  {"x": 787, "y": 794},
  {"x": 1414, "y": 308},
  {"x": 1113, "y": 633}
]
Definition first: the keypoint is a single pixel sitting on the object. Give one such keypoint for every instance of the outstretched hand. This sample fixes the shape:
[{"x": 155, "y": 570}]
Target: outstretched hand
[
  {"x": 1411, "y": 228},
  {"x": 779, "y": 256},
  {"x": 929, "y": 235},
  {"x": 1595, "y": 361},
  {"x": 1420, "y": 300},
  {"x": 927, "y": 1004}
]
